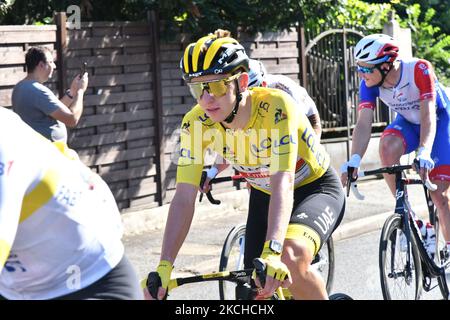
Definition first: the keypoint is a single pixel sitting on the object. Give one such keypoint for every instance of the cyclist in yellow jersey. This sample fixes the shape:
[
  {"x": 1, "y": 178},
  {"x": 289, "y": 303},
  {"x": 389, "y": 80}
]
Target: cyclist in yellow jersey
[{"x": 298, "y": 200}]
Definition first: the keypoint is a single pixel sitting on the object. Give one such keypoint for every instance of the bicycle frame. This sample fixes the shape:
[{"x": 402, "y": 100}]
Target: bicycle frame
[{"x": 403, "y": 208}]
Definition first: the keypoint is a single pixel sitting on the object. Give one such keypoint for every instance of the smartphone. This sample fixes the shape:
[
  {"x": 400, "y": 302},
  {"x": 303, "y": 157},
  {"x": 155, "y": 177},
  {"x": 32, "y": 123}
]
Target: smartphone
[{"x": 83, "y": 68}]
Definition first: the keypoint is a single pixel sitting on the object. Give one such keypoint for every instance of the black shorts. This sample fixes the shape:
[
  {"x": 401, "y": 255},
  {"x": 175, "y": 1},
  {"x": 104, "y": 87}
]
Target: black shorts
[
  {"x": 121, "y": 283},
  {"x": 317, "y": 211}
]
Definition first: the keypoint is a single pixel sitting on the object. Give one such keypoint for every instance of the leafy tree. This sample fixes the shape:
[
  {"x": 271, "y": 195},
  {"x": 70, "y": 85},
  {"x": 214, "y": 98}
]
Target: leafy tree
[
  {"x": 428, "y": 41},
  {"x": 441, "y": 7},
  {"x": 430, "y": 26}
]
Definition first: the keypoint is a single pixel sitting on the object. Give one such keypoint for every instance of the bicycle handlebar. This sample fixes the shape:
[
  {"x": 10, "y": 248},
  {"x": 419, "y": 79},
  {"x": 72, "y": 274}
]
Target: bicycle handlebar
[
  {"x": 209, "y": 195},
  {"x": 387, "y": 170},
  {"x": 153, "y": 282}
]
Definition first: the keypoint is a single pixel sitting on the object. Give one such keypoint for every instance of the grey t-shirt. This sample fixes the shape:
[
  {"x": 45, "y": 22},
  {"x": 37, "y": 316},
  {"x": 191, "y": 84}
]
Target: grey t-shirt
[{"x": 34, "y": 102}]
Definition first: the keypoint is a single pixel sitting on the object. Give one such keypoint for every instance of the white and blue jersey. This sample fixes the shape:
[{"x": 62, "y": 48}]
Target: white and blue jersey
[{"x": 417, "y": 83}]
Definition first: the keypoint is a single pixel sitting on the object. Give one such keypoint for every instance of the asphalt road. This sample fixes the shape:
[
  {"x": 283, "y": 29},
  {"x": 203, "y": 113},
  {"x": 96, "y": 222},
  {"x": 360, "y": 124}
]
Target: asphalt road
[{"x": 356, "y": 271}]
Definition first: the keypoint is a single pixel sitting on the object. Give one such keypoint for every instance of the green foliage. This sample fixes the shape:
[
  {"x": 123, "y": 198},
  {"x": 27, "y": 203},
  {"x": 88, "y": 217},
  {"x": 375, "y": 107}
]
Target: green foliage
[
  {"x": 428, "y": 41},
  {"x": 363, "y": 16},
  {"x": 430, "y": 25}
]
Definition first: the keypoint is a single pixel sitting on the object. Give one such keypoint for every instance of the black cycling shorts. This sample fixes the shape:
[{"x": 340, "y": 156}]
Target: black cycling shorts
[
  {"x": 317, "y": 211},
  {"x": 121, "y": 283}
]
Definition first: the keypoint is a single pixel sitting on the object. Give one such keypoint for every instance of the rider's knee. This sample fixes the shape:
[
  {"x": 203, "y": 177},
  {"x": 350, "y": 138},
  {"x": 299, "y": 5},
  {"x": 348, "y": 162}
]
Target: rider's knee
[
  {"x": 297, "y": 256},
  {"x": 441, "y": 200},
  {"x": 390, "y": 150}
]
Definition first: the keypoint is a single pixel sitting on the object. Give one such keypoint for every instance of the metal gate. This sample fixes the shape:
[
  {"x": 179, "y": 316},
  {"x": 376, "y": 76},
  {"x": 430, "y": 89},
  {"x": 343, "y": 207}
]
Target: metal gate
[{"x": 330, "y": 77}]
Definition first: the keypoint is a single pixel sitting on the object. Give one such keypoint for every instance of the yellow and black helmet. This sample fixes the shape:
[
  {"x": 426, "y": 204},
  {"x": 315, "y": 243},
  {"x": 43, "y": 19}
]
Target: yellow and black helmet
[{"x": 212, "y": 55}]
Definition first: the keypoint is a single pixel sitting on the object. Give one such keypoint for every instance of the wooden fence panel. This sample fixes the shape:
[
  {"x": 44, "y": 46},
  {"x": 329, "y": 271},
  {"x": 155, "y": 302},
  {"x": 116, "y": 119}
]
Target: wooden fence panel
[
  {"x": 121, "y": 120},
  {"x": 117, "y": 134}
]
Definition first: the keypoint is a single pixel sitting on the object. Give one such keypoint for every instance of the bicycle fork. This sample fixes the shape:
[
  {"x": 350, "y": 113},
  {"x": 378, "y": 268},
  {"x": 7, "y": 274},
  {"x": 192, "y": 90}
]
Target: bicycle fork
[{"x": 401, "y": 208}]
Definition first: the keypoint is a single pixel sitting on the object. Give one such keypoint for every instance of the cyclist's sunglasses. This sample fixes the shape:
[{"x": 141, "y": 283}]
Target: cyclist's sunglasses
[
  {"x": 365, "y": 69},
  {"x": 218, "y": 88}
]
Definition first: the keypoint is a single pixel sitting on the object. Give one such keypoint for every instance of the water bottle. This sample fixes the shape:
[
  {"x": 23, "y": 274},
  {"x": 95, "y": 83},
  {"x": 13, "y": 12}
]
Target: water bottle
[
  {"x": 430, "y": 240},
  {"x": 422, "y": 228}
]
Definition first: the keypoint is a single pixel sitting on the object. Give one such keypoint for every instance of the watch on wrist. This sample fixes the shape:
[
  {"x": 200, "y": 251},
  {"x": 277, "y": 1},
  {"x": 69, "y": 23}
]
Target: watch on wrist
[
  {"x": 68, "y": 94},
  {"x": 275, "y": 246}
]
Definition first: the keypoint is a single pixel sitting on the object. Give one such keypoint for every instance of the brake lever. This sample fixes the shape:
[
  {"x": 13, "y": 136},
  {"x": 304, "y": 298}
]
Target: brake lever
[
  {"x": 350, "y": 179},
  {"x": 260, "y": 269},
  {"x": 428, "y": 184},
  {"x": 208, "y": 194}
]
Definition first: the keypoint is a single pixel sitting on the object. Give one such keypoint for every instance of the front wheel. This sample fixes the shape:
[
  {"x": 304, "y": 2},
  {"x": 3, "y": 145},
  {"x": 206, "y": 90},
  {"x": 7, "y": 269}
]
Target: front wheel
[
  {"x": 340, "y": 296},
  {"x": 323, "y": 262},
  {"x": 441, "y": 257},
  {"x": 232, "y": 258},
  {"x": 400, "y": 280}
]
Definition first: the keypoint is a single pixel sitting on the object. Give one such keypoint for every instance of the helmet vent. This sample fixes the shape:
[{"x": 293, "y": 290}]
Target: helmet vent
[
  {"x": 364, "y": 56},
  {"x": 368, "y": 44}
]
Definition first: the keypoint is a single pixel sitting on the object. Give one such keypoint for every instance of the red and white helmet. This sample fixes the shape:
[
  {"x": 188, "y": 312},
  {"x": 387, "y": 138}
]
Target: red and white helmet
[{"x": 376, "y": 48}]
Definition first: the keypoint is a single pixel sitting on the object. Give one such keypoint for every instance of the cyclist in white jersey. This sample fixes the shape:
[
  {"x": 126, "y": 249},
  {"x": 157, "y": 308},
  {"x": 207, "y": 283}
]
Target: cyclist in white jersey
[
  {"x": 260, "y": 78},
  {"x": 60, "y": 228},
  {"x": 410, "y": 88}
]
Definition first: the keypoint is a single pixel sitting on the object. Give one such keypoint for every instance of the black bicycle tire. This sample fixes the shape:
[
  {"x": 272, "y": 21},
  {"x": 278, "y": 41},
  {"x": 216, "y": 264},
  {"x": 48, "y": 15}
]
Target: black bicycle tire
[
  {"x": 340, "y": 296},
  {"x": 330, "y": 278},
  {"x": 391, "y": 224},
  {"x": 234, "y": 234},
  {"x": 442, "y": 282},
  {"x": 239, "y": 231}
]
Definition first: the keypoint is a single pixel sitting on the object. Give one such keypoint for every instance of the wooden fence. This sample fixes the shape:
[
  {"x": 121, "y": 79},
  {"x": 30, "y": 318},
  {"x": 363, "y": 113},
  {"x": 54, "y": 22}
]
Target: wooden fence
[{"x": 129, "y": 131}]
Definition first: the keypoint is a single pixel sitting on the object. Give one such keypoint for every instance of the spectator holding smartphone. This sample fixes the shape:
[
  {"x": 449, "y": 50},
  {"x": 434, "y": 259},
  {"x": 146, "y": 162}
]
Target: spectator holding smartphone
[{"x": 38, "y": 106}]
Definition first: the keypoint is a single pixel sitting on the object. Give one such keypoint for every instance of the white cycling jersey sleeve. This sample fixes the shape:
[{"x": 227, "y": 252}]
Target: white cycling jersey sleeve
[{"x": 297, "y": 92}]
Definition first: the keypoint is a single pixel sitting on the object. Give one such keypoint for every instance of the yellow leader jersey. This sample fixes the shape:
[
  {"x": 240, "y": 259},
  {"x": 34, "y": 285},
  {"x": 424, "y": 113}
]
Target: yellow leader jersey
[{"x": 278, "y": 137}]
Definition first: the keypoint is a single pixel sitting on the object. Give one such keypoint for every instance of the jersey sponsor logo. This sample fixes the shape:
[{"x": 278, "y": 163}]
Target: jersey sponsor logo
[
  {"x": 254, "y": 175},
  {"x": 264, "y": 105},
  {"x": 285, "y": 140},
  {"x": 263, "y": 146},
  {"x": 186, "y": 153},
  {"x": 325, "y": 220},
  {"x": 5, "y": 167},
  {"x": 203, "y": 118},
  {"x": 185, "y": 127},
  {"x": 13, "y": 264},
  {"x": 67, "y": 196},
  {"x": 302, "y": 215},
  {"x": 401, "y": 97},
  {"x": 423, "y": 66},
  {"x": 279, "y": 115},
  {"x": 283, "y": 87},
  {"x": 410, "y": 106},
  {"x": 310, "y": 139}
]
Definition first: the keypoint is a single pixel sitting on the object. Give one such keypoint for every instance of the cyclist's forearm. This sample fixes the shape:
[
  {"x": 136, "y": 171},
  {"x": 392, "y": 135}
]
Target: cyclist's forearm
[
  {"x": 280, "y": 206},
  {"x": 178, "y": 224},
  {"x": 361, "y": 137},
  {"x": 427, "y": 124},
  {"x": 221, "y": 164},
  {"x": 314, "y": 119}
]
